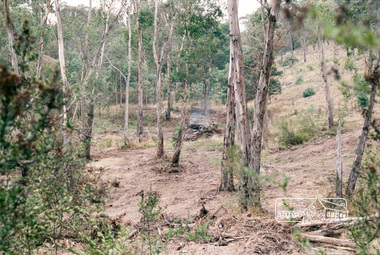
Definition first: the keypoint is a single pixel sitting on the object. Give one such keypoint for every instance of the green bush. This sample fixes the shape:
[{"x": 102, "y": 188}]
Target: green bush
[
  {"x": 288, "y": 61},
  {"x": 366, "y": 233},
  {"x": 274, "y": 86},
  {"x": 299, "y": 80},
  {"x": 296, "y": 133},
  {"x": 349, "y": 64},
  {"x": 308, "y": 92},
  {"x": 310, "y": 67},
  {"x": 361, "y": 90},
  {"x": 336, "y": 61}
]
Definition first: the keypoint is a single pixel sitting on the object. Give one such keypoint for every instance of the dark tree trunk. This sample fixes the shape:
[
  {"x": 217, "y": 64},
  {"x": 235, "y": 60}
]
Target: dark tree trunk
[
  {"x": 372, "y": 77},
  {"x": 88, "y": 132},
  {"x": 339, "y": 182},
  {"x": 179, "y": 143},
  {"x": 253, "y": 185},
  {"x": 325, "y": 79}
]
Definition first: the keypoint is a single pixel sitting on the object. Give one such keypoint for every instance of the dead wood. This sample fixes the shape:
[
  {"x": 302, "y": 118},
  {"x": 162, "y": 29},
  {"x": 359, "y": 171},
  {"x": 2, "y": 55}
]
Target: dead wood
[{"x": 329, "y": 240}]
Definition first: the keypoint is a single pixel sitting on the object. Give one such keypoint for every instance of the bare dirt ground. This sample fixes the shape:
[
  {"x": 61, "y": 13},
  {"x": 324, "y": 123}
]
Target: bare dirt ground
[{"x": 183, "y": 190}]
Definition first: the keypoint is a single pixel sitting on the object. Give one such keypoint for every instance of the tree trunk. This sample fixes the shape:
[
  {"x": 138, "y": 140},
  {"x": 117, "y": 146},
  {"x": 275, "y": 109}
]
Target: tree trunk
[
  {"x": 121, "y": 90},
  {"x": 291, "y": 46},
  {"x": 62, "y": 63},
  {"x": 126, "y": 116},
  {"x": 140, "y": 80},
  {"x": 304, "y": 49},
  {"x": 327, "y": 87},
  {"x": 236, "y": 56},
  {"x": 84, "y": 131},
  {"x": 168, "y": 85},
  {"x": 88, "y": 133},
  {"x": 96, "y": 63},
  {"x": 338, "y": 189},
  {"x": 372, "y": 78},
  {"x": 227, "y": 181},
  {"x": 158, "y": 59},
  {"x": 181, "y": 132},
  {"x": 40, "y": 60},
  {"x": 11, "y": 32},
  {"x": 266, "y": 125},
  {"x": 253, "y": 185},
  {"x": 266, "y": 119}
]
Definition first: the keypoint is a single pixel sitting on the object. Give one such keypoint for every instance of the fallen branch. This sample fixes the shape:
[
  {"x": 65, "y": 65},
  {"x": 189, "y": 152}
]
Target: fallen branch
[
  {"x": 325, "y": 232},
  {"x": 335, "y": 221},
  {"x": 132, "y": 234},
  {"x": 329, "y": 240}
]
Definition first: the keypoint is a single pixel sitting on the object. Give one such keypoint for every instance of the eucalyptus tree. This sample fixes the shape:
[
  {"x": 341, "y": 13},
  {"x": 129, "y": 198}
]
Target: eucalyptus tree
[
  {"x": 194, "y": 20},
  {"x": 11, "y": 32},
  {"x": 159, "y": 61},
  {"x": 324, "y": 16},
  {"x": 140, "y": 75},
  {"x": 261, "y": 101},
  {"x": 236, "y": 59},
  {"x": 62, "y": 64}
]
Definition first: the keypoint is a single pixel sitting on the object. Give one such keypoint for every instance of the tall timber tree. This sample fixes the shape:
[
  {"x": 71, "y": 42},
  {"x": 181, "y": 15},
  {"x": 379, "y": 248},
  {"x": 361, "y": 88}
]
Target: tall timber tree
[
  {"x": 324, "y": 17},
  {"x": 357, "y": 26},
  {"x": 140, "y": 70},
  {"x": 261, "y": 100},
  {"x": 126, "y": 114},
  {"x": 159, "y": 61},
  {"x": 196, "y": 20},
  {"x": 236, "y": 59},
  {"x": 11, "y": 32},
  {"x": 62, "y": 64}
]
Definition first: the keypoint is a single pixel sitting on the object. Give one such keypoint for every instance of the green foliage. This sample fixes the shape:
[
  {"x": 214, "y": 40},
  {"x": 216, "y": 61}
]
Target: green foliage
[
  {"x": 366, "y": 204},
  {"x": 291, "y": 134},
  {"x": 308, "y": 92},
  {"x": 177, "y": 131},
  {"x": 200, "y": 232},
  {"x": 361, "y": 90},
  {"x": 310, "y": 67},
  {"x": 335, "y": 61},
  {"x": 150, "y": 214},
  {"x": 349, "y": 64},
  {"x": 299, "y": 80},
  {"x": 289, "y": 60}
]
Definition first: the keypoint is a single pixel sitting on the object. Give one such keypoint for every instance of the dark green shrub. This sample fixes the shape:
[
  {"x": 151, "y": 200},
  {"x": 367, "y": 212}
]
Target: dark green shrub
[
  {"x": 308, "y": 92},
  {"x": 296, "y": 133}
]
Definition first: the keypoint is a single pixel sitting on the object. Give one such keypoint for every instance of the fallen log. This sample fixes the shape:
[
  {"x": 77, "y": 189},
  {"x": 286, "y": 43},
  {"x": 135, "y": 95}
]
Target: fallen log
[
  {"x": 329, "y": 240},
  {"x": 326, "y": 232},
  {"x": 335, "y": 221}
]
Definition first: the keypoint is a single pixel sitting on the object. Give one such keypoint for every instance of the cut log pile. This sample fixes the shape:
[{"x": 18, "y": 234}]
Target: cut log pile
[
  {"x": 329, "y": 231},
  {"x": 196, "y": 131}
]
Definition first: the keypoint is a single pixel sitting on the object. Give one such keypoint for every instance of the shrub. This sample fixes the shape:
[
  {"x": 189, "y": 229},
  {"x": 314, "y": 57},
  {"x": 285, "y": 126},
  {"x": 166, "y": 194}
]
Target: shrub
[
  {"x": 296, "y": 133},
  {"x": 366, "y": 233},
  {"x": 336, "y": 61},
  {"x": 361, "y": 91},
  {"x": 288, "y": 61},
  {"x": 349, "y": 64},
  {"x": 299, "y": 80},
  {"x": 308, "y": 92},
  {"x": 310, "y": 67},
  {"x": 274, "y": 86}
]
